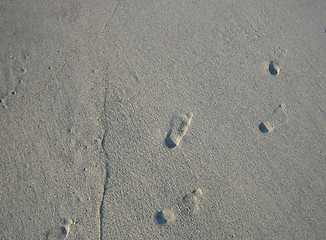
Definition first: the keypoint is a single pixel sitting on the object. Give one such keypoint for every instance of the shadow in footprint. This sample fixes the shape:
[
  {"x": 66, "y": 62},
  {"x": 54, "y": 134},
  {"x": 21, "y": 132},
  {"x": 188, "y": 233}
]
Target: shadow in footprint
[
  {"x": 168, "y": 141},
  {"x": 160, "y": 218},
  {"x": 274, "y": 69},
  {"x": 262, "y": 127}
]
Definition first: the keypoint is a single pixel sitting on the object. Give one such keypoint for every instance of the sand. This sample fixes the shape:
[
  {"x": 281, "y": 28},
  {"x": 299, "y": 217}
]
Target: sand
[{"x": 162, "y": 119}]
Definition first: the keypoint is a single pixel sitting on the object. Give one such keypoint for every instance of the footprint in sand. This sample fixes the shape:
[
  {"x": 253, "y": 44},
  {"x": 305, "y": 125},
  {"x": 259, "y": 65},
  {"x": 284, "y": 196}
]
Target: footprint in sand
[
  {"x": 276, "y": 119},
  {"x": 12, "y": 72},
  {"x": 62, "y": 231},
  {"x": 188, "y": 206},
  {"x": 178, "y": 130},
  {"x": 165, "y": 216},
  {"x": 277, "y": 57}
]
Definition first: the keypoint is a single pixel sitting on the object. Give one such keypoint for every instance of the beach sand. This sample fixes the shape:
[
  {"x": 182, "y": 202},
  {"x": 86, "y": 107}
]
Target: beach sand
[{"x": 163, "y": 119}]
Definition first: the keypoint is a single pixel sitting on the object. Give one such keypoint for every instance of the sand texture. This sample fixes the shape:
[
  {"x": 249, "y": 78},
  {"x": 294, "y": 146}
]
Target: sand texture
[{"x": 162, "y": 119}]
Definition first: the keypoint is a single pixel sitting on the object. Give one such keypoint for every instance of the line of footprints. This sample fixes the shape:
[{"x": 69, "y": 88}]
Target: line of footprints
[
  {"x": 189, "y": 204},
  {"x": 181, "y": 123}
]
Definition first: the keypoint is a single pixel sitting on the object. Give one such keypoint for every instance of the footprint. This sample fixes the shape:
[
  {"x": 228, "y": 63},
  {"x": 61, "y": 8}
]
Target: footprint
[
  {"x": 11, "y": 75},
  {"x": 165, "y": 216},
  {"x": 178, "y": 130},
  {"x": 61, "y": 231},
  {"x": 277, "y": 56},
  {"x": 188, "y": 206},
  {"x": 277, "y": 118},
  {"x": 65, "y": 226}
]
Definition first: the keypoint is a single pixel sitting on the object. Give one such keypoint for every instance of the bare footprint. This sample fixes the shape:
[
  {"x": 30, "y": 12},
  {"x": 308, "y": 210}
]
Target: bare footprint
[
  {"x": 276, "y": 119},
  {"x": 188, "y": 206},
  {"x": 61, "y": 231},
  {"x": 11, "y": 75},
  {"x": 178, "y": 130},
  {"x": 165, "y": 216},
  {"x": 277, "y": 56},
  {"x": 190, "y": 203}
]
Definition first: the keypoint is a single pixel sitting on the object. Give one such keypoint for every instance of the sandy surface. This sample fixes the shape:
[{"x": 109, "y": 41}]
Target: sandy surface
[{"x": 163, "y": 119}]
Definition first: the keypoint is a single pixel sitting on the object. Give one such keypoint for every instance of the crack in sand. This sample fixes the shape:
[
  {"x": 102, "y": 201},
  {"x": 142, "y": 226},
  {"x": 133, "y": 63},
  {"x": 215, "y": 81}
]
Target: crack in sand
[
  {"x": 109, "y": 21},
  {"x": 105, "y": 185},
  {"x": 106, "y": 172}
]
